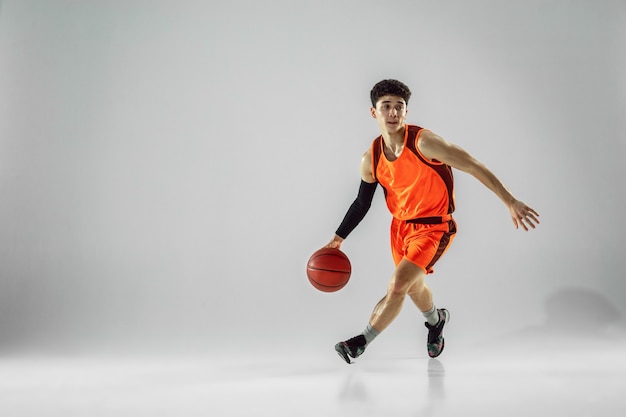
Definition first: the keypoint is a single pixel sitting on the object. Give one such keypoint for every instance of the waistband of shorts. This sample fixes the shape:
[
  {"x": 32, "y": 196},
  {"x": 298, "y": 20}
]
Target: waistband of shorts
[{"x": 431, "y": 220}]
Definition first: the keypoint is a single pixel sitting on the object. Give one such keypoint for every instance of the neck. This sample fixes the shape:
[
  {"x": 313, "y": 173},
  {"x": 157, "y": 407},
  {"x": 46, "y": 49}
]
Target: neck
[{"x": 394, "y": 140}]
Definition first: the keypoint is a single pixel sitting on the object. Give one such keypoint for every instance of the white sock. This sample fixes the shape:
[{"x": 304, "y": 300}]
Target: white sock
[
  {"x": 370, "y": 334},
  {"x": 432, "y": 316}
]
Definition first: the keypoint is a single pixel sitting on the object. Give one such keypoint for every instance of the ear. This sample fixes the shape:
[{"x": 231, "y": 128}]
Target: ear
[{"x": 373, "y": 112}]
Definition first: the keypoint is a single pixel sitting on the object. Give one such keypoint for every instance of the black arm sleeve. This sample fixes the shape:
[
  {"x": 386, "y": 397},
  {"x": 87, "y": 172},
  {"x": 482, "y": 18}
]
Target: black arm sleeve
[{"x": 358, "y": 209}]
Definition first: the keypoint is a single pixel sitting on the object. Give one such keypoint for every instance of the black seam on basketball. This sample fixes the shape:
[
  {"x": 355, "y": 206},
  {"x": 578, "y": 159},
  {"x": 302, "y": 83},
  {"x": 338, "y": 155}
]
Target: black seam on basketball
[
  {"x": 344, "y": 271},
  {"x": 326, "y": 285}
]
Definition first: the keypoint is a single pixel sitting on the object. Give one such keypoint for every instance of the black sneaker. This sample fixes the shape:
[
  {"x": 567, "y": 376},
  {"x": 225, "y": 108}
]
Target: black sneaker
[
  {"x": 351, "y": 348},
  {"x": 435, "y": 341}
]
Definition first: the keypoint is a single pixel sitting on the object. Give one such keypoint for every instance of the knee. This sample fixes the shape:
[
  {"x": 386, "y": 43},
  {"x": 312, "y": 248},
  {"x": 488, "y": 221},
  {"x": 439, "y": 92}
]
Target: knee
[
  {"x": 417, "y": 288},
  {"x": 407, "y": 278},
  {"x": 400, "y": 285}
]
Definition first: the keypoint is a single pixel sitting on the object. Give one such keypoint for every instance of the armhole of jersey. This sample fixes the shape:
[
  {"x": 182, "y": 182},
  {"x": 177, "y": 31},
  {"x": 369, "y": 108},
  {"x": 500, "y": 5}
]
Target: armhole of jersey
[
  {"x": 376, "y": 151},
  {"x": 420, "y": 154}
]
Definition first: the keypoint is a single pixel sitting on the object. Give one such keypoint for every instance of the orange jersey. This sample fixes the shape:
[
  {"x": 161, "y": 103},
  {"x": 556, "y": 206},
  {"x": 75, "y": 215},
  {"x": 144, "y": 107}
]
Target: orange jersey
[{"x": 415, "y": 187}]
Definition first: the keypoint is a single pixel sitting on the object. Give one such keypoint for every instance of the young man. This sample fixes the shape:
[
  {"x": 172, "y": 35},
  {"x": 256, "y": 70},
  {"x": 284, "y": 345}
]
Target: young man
[{"x": 414, "y": 167}]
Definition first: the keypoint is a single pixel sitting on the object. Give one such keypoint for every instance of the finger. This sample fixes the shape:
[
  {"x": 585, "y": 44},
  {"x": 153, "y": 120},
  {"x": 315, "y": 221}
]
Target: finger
[
  {"x": 521, "y": 222},
  {"x": 532, "y": 211},
  {"x": 535, "y": 219},
  {"x": 523, "y": 225}
]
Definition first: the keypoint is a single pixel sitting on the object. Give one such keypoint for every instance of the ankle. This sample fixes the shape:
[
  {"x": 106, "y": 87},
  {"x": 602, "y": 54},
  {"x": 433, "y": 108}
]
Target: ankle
[
  {"x": 370, "y": 333},
  {"x": 432, "y": 316}
]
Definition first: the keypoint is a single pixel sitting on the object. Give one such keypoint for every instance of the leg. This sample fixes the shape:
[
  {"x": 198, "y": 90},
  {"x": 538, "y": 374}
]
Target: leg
[
  {"x": 407, "y": 277},
  {"x": 423, "y": 299},
  {"x": 422, "y": 296},
  {"x": 426, "y": 245}
]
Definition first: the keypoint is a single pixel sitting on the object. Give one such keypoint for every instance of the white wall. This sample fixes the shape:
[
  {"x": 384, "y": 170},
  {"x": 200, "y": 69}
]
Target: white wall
[{"x": 167, "y": 167}]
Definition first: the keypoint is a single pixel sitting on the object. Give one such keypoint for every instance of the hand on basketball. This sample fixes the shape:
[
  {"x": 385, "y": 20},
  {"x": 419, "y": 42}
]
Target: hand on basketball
[
  {"x": 522, "y": 215},
  {"x": 335, "y": 242}
]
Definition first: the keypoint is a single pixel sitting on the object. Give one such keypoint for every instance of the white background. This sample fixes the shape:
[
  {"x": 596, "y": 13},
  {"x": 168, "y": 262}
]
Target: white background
[{"x": 167, "y": 167}]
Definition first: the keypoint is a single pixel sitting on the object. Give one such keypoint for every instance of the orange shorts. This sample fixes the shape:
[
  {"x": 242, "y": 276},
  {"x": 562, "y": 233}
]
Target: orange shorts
[{"x": 422, "y": 244}]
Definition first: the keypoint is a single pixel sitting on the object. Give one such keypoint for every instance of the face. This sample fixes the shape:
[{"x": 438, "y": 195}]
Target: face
[{"x": 390, "y": 113}]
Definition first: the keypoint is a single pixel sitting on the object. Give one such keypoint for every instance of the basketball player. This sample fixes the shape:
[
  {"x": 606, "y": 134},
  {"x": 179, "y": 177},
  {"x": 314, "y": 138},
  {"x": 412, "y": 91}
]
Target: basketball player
[{"x": 414, "y": 168}]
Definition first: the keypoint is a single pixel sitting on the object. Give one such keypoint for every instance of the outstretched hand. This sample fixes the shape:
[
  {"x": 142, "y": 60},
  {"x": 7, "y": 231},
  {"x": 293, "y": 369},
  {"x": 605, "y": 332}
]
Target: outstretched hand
[{"x": 522, "y": 215}]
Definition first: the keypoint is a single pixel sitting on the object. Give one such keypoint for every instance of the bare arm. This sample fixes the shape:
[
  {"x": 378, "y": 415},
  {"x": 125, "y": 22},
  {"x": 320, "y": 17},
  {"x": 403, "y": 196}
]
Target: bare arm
[{"x": 433, "y": 146}]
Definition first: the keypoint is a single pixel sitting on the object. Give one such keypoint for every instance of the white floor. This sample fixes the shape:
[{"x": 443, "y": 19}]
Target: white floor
[{"x": 558, "y": 379}]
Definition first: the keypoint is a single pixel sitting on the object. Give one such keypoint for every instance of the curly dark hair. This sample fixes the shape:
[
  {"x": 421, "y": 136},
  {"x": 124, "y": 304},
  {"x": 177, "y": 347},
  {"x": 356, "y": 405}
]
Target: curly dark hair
[{"x": 389, "y": 88}]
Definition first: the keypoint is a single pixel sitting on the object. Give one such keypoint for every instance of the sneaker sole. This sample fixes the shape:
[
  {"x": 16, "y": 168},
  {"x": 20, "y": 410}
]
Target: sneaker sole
[
  {"x": 343, "y": 354},
  {"x": 443, "y": 345}
]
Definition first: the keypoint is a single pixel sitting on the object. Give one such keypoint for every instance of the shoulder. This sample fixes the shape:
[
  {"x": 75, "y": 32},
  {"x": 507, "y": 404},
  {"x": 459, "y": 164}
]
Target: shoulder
[
  {"x": 430, "y": 144},
  {"x": 436, "y": 148},
  {"x": 366, "y": 167},
  {"x": 428, "y": 137},
  {"x": 367, "y": 157}
]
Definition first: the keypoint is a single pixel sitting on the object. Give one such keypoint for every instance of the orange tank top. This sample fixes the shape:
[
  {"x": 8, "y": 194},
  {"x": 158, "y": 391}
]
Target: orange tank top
[{"x": 415, "y": 187}]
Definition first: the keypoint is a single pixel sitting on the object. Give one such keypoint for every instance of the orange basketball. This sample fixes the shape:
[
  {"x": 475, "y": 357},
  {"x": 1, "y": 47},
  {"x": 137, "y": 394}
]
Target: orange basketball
[{"x": 328, "y": 269}]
